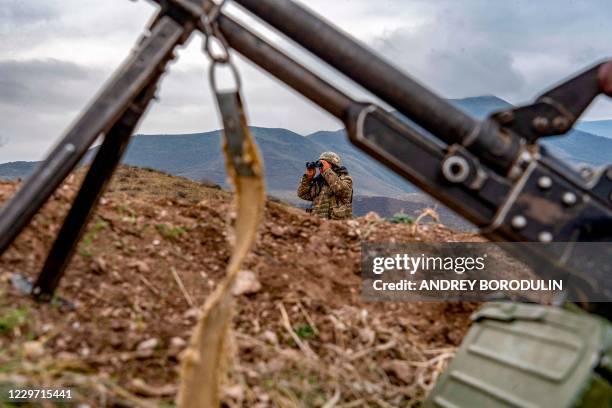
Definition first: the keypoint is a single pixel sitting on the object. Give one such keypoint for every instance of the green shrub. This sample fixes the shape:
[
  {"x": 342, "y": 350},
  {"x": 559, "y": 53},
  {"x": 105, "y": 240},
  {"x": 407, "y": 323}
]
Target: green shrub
[
  {"x": 11, "y": 319},
  {"x": 305, "y": 332},
  {"x": 401, "y": 218},
  {"x": 170, "y": 232}
]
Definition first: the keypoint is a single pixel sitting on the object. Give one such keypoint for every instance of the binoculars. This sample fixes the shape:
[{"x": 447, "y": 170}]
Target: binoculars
[{"x": 314, "y": 164}]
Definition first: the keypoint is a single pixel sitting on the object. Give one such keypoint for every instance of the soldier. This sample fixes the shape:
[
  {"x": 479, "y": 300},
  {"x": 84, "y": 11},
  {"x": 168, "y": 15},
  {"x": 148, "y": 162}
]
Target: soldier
[{"x": 331, "y": 191}]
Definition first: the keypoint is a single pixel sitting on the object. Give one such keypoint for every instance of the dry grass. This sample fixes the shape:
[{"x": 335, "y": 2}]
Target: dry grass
[
  {"x": 156, "y": 184},
  {"x": 305, "y": 339},
  {"x": 368, "y": 362}
]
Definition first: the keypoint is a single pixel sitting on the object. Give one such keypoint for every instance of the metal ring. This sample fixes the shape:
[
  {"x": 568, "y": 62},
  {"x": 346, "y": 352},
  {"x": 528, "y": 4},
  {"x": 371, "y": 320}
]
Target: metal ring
[
  {"x": 223, "y": 58},
  {"x": 216, "y": 10},
  {"x": 212, "y": 30},
  {"x": 213, "y": 79},
  {"x": 456, "y": 169}
]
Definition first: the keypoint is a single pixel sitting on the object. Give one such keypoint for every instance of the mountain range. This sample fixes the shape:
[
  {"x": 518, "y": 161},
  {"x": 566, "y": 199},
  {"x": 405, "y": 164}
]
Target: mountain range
[
  {"x": 597, "y": 127},
  {"x": 196, "y": 156}
]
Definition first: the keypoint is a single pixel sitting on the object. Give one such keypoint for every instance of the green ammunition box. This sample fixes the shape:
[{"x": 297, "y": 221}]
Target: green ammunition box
[{"x": 525, "y": 355}]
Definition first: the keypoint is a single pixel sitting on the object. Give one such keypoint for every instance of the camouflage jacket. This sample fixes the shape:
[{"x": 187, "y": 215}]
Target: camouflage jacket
[{"x": 331, "y": 194}]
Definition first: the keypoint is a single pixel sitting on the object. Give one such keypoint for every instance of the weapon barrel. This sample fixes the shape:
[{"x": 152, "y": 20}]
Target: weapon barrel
[{"x": 365, "y": 67}]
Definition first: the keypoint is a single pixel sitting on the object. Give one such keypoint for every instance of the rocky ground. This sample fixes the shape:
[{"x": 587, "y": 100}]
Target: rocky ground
[{"x": 157, "y": 247}]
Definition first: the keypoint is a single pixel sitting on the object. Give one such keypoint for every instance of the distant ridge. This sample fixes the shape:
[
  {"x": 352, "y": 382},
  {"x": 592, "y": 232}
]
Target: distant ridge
[
  {"x": 16, "y": 170},
  {"x": 196, "y": 156},
  {"x": 597, "y": 127},
  {"x": 481, "y": 106}
]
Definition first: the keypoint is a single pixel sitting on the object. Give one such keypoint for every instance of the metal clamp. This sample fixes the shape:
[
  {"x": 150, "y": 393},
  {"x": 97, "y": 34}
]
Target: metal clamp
[{"x": 211, "y": 30}]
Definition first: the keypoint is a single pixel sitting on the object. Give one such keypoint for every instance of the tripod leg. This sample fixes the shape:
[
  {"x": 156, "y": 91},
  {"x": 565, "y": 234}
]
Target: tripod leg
[
  {"x": 140, "y": 69},
  {"x": 108, "y": 157}
]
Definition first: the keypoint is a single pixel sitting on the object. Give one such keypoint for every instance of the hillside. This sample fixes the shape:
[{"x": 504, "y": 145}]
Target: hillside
[
  {"x": 413, "y": 205},
  {"x": 481, "y": 106},
  {"x": 196, "y": 156},
  {"x": 16, "y": 170},
  {"x": 121, "y": 343}
]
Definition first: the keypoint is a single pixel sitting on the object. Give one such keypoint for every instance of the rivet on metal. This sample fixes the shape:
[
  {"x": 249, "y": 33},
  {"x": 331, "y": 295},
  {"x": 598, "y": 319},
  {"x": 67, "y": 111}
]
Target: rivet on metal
[
  {"x": 586, "y": 173},
  {"x": 505, "y": 117},
  {"x": 569, "y": 198},
  {"x": 541, "y": 124},
  {"x": 519, "y": 222},
  {"x": 545, "y": 236},
  {"x": 544, "y": 182},
  {"x": 526, "y": 157},
  {"x": 561, "y": 124}
]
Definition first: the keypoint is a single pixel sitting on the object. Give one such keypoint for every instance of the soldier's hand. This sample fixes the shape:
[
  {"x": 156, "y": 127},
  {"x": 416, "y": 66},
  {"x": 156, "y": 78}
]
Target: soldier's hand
[
  {"x": 326, "y": 166},
  {"x": 310, "y": 173}
]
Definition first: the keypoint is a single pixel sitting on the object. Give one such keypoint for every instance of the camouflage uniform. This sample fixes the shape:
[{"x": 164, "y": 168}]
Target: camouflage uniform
[{"x": 331, "y": 193}]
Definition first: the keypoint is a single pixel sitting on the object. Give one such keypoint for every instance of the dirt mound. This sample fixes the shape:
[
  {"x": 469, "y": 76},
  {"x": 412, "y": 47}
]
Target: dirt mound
[{"x": 155, "y": 249}]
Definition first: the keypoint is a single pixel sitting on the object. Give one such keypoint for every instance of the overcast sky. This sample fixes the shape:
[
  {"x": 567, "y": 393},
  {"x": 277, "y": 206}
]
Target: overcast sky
[{"x": 56, "y": 54}]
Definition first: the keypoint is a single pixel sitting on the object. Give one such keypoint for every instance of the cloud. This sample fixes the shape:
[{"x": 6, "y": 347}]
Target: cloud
[
  {"x": 38, "y": 100},
  {"x": 455, "y": 64},
  {"x": 186, "y": 102},
  {"x": 46, "y": 85},
  {"x": 25, "y": 12},
  {"x": 512, "y": 49}
]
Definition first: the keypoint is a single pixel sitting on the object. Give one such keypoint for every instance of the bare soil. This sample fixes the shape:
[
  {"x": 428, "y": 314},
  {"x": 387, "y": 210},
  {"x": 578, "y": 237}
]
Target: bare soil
[{"x": 303, "y": 338}]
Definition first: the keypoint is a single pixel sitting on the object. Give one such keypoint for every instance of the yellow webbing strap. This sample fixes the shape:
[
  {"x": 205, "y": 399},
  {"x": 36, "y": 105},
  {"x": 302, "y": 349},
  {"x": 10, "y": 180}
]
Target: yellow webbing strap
[{"x": 204, "y": 363}]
